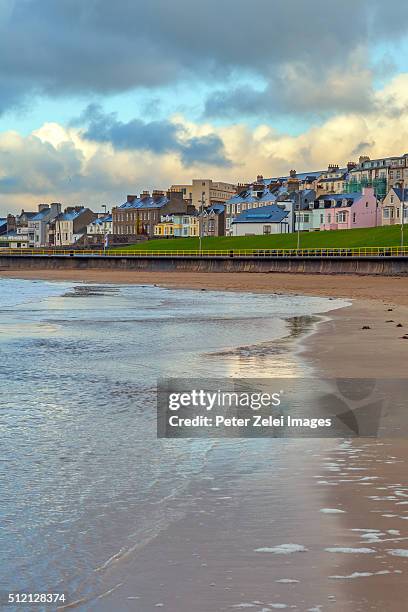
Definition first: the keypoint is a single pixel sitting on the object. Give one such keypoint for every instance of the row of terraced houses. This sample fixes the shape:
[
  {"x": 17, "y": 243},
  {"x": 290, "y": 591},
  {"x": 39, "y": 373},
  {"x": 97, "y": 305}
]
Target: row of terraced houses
[{"x": 367, "y": 193}]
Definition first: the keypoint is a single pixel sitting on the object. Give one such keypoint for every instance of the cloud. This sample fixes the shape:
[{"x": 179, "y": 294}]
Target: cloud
[
  {"x": 57, "y": 163},
  {"x": 77, "y": 48},
  {"x": 159, "y": 137},
  {"x": 301, "y": 89}
]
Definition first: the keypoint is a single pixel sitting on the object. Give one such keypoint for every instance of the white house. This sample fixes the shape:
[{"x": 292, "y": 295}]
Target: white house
[
  {"x": 38, "y": 225},
  {"x": 100, "y": 226},
  {"x": 261, "y": 221}
]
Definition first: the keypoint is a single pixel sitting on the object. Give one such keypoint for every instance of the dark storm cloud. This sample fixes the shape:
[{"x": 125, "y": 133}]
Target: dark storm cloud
[
  {"x": 362, "y": 147},
  {"x": 156, "y": 136},
  {"x": 99, "y": 46}
]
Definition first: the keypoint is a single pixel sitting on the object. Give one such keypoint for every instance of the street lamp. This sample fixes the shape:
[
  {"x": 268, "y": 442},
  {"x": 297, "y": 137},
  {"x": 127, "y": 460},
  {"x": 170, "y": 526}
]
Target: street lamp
[
  {"x": 297, "y": 207},
  {"x": 200, "y": 225}
]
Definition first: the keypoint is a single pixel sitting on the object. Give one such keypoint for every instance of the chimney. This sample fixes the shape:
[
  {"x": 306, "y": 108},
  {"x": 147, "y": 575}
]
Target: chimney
[
  {"x": 130, "y": 198},
  {"x": 351, "y": 165},
  {"x": 42, "y": 207},
  {"x": 175, "y": 196},
  {"x": 55, "y": 208},
  {"x": 157, "y": 193},
  {"x": 259, "y": 178},
  {"x": 11, "y": 223},
  {"x": 144, "y": 195},
  {"x": 333, "y": 168},
  {"x": 292, "y": 174}
]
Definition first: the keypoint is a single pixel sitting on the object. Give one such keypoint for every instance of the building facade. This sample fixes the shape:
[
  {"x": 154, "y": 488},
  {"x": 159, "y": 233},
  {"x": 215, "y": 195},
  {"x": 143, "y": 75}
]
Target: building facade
[
  {"x": 212, "y": 221},
  {"x": 69, "y": 226},
  {"x": 381, "y": 174},
  {"x": 253, "y": 196},
  {"x": 205, "y": 192},
  {"x": 139, "y": 215},
  {"x": 177, "y": 225},
  {"x": 38, "y": 225},
  {"x": 264, "y": 220},
  {"x": 394, "y": 208},
  {"x": 349, "y": 211},
  {"x": 100, "y": 226}
]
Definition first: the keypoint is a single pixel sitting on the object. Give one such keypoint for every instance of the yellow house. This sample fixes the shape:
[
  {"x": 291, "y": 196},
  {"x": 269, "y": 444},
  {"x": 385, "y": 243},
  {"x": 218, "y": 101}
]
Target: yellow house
[
  {"x": 164, "y": 229},
  {"x": 177, "y": 225}
]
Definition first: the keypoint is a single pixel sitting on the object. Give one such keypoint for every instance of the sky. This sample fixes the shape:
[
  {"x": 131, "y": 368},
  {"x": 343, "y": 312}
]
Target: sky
[{"x": 99, "y": 99}]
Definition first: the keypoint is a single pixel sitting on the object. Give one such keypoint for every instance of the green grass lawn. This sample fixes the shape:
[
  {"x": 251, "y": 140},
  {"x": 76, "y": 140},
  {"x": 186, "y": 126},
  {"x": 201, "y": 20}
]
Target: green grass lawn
[{"x": 377, "y": 236}]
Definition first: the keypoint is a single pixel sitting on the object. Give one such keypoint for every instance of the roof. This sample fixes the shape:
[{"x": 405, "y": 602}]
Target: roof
[
  {"x": 71, "y": 215},
  {"x": 147, "y": 202},
  {"x": 332, "y": 179},
  {"x": 301, "y": 176},
  {"x": 249, "y": 195},
  {"x": 338, "y": 198},
  {"x": 217, "y": 208},
  {"x": 264, "y": 214},
  {"x": 40, "y": 215},
  {"x": 100, "y": 220},
  {"x": 28, "y": 215},
  {"x": 402, "y": 194},
  {"x": 3, "y": 221}
]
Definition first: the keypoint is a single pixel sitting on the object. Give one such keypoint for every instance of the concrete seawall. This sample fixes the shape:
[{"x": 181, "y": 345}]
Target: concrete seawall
[{"x": 385, "y": 266}]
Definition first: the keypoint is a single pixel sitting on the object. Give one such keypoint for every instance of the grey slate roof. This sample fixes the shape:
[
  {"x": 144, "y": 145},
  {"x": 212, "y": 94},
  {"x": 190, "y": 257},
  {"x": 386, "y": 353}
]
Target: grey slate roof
[{"x": 264, "y": 214}]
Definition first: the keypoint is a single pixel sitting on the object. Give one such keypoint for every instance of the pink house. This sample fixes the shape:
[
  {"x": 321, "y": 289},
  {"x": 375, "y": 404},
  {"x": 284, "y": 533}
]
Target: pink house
[{"x": 349, "y": 210}]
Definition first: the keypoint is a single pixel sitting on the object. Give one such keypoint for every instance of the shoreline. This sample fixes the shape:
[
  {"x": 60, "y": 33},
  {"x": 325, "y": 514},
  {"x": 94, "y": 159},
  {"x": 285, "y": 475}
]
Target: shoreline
[{"x": 326, "y": 285}]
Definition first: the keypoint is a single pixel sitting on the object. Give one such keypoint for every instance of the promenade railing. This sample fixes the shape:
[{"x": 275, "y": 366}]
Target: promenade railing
[{"x": 248, "y": 253}]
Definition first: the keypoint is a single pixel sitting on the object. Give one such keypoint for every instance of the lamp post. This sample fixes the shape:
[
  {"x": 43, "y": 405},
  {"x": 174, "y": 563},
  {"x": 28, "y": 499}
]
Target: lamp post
[
  {"x": 200, "y": 224},
  {"x": 298, "y": 224}
]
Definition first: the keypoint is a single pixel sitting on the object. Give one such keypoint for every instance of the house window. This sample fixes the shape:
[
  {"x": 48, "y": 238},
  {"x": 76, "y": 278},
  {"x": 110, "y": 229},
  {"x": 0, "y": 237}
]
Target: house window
[
  {"x": 329, "y": 218},
  {"x": 354, "y": 217},
  {"x": 306, "y": 218},
  {"x": 392, "y": 199},
  {"x": 321, "y": 218},
  {"x": 266, "y": 229}
]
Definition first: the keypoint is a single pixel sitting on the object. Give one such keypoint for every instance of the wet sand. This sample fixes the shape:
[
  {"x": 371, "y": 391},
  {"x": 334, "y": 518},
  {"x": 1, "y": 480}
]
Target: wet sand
[
  {"x": 372, "y": 488},
  {"x": 208, "y": 560},
  {"x": 354, "y": 287}
]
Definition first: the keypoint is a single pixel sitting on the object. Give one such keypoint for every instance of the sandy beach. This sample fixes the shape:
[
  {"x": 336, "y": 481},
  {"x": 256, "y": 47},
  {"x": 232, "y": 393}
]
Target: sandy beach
[{"x": 354, "y": 512}]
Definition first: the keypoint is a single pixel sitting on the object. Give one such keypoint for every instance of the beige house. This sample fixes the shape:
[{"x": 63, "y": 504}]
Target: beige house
[
  {"x": 333, "y": 180},
  {"x": 382, "y": 174},
  {"x": 206, "y": 192},
  {"x": 394, "y": 207}
]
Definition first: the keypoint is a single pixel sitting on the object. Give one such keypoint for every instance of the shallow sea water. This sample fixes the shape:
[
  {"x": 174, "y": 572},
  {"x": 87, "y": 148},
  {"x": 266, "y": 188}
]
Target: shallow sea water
[{"x": 84, "y": 481}]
